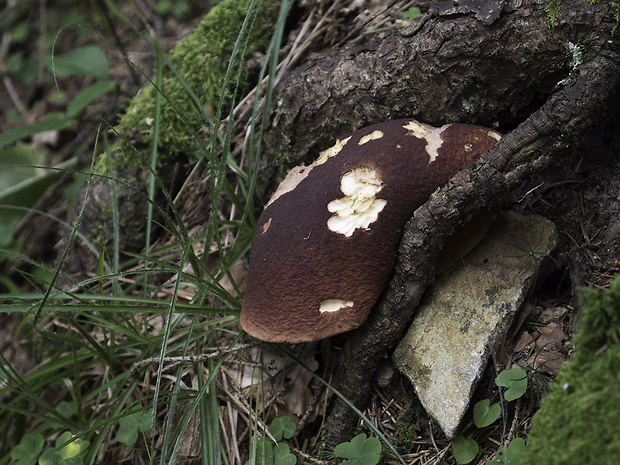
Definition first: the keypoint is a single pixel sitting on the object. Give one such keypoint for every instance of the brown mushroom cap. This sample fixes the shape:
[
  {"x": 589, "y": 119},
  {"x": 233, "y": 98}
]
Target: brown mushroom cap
[{"x": 325, "y": 246}]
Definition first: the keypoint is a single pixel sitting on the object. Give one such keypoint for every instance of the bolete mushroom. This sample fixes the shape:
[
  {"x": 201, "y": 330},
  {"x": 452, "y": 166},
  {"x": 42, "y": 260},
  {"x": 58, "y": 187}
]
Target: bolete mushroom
[{"x": 325, "y": 246}]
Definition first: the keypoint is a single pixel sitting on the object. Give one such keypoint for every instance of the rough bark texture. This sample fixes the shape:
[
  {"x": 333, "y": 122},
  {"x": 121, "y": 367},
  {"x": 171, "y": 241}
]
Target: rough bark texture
[
  {"x": 513, "y": 73},
  {"x": 443, "y": 67}
]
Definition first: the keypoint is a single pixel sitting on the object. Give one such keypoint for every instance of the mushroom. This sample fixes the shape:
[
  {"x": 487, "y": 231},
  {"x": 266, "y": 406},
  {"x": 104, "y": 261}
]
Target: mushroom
[{"x": 325, "y": 245}]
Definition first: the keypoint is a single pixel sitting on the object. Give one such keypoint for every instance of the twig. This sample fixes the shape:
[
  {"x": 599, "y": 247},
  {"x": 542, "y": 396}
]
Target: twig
[
  {"x": 233, "y": 448},
  {"x": 308, "y": 457},
  {"x": 8, "y": 84},
  {"x": 191, "y": 358},
  {"x": 513, "y": 425}
]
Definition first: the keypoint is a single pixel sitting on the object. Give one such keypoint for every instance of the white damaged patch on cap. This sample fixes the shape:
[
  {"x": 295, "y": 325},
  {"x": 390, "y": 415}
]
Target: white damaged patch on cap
[
  {"x": 293, "y": 177},
  {"x": 431, "y": 135},
  {"x": 299, "y": 173},
  {"x": 331, "y": 152},
  {"x": 359, "y": 207},
  {"x": 374, "y": 135},
  {"x": 495, "y": 135},
  {"x": 333, "y": 305}
]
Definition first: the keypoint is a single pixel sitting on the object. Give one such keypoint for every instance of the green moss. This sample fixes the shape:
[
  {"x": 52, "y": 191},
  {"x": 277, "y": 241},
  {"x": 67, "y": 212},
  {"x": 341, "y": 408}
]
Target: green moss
[
  {"x": 202, "y": 59},
  {"x": 553, "y": 9},
  {"x": 601, "y": 320},
  {"x": 578, "y": 421},
  {"x": 410, "y": 423}
]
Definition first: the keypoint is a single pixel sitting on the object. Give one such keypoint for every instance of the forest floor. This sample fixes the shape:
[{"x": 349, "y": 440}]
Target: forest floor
[{"x": 580, "y": 194}]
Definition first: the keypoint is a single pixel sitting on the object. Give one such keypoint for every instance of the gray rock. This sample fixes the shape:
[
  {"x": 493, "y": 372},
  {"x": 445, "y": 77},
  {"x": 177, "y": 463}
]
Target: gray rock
[{"x": 468, "y": 310}]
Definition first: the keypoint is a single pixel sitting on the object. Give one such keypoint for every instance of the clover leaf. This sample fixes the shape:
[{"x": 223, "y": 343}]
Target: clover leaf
[
  {"x": 360, "y": 451},
  {"x": 516, "y": 382}
]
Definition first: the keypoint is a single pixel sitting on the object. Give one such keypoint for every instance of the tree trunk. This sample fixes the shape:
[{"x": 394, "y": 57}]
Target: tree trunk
[{"x": 442, "y": 67}]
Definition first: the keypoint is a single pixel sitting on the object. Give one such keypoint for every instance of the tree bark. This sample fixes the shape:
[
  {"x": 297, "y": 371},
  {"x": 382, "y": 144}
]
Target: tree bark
[
  {"x": 443, "y": 67},
  {"x": 514, "y": 73}
]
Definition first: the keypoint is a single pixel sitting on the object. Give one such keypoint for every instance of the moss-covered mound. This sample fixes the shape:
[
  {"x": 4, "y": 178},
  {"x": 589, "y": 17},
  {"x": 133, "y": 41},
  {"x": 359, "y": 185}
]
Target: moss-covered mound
[
  {"x": 202, "y": 60},
  {"x": 208, "y": 68},
  {"x": 579, "y": 422}
]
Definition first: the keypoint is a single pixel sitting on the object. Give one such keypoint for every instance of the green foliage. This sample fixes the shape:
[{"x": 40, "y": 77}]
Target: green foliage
[
  {"x": 177, "y": 8},
  {"x": 282, "y": 428},
  {"x": 67, "y": 450},
  {"x": 412, "y": 13},
  {"x": 463, "y": 449},
  {"x": 93, "y": 336},
  {"x": 277, "y": 454},
  {"x": 28, "y": 450},
  {"x": 54, "y": 121},
  {"x": 88, "y": 60},
  {"x": 578, "y": 421},
  {"x": 485, "y": 414},
  {"x": 89, "y": 334},
  {"x": 18, "y": 26},
  {"x": 552, "y": 9},
  {"x": 516, "y": 382},
  {"x": 196, "y": 77},
  {"x": 269, "y": 453},
  {"x": 18, "y": 164},
  {"x": 22, "y": 182},
  {"x": 600, "y": 324},
  {"x": 359, "y": 451},
  {"x": 510, "y": 455},
  {"x": 88, "y": 96},
  {"x": 132, "y": 425}
]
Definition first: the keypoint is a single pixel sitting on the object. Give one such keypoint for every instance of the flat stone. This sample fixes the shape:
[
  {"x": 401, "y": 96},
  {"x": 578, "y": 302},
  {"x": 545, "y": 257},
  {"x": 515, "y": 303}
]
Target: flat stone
[{"x": 468, "y": 310}]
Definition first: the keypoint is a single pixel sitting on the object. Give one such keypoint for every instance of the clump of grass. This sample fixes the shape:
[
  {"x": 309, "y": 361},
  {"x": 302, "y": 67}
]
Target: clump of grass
[{"x": 180, "y": 299}]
